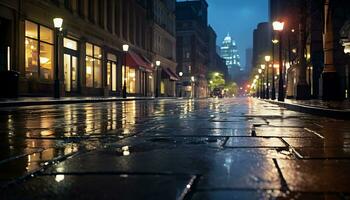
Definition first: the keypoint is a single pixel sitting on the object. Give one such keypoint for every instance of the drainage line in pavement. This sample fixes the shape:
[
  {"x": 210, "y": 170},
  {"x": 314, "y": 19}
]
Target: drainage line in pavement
[{"x": 284, "y": 184}]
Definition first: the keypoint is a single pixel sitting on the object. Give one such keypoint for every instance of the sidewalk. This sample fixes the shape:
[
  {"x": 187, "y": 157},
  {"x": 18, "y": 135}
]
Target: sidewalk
[
  {"x": 317, "y": 107},
  {"x": 33, "y": 101}
]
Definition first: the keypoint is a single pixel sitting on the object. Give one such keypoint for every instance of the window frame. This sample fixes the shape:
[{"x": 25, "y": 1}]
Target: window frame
[
  {"x": 92, "y": 56},
  {"x": 38, "y": 40}
]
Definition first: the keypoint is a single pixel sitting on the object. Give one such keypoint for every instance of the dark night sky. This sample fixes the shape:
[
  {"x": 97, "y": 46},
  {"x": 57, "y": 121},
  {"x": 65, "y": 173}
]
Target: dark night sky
[{"x": 239, "y": 17}]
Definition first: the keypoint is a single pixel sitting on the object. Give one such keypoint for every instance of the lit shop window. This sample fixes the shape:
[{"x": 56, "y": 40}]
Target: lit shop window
[
  {"x": 130, "y": 79},
  {"x": 70, "y": 44},
  {"x": 38, "y": 51},
  {"x": 93, "y": 66},
  {"x": 112, "y": 72},
  {"x": 162, "y": 87}
]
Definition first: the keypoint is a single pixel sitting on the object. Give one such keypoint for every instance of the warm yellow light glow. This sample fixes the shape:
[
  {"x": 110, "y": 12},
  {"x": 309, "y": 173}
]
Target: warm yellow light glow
[
  {"x": 192, "y": 78},
  {"x": 125, "y": 47},
  {"x": 57, "y": 22},
  {"x": 157, "y": 63},
  {"x": 217, "y": 74},
  {"x": 181, "y": 74},
  {"x": 59, "y": 178},
  {"x": 260, "y": 71},
  {"x": 267, "y": 58},
  {"x": 275, "y": 41},
  {"x": 256, "y": 77},
  {"x": 89, "y": 70},
  {"x": 278, "y": 26},
  {"x": 262, "y": 66},
  {"x": 44, "y": 60}
]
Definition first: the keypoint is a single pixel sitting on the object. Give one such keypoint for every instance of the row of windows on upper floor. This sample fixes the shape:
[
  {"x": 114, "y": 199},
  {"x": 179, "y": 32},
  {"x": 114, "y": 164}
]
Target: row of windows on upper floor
[{"x": 116, "y": 16}]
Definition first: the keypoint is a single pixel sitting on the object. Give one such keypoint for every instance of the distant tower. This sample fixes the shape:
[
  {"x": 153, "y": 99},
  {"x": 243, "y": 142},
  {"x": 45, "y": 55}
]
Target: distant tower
[{"x": 229, "y": 52}]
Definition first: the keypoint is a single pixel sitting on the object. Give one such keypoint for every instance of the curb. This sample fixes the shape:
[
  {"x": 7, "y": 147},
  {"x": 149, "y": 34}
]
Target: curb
[
  {"x": 334, "y": 113},
  {"x": 76, "y": 101}
]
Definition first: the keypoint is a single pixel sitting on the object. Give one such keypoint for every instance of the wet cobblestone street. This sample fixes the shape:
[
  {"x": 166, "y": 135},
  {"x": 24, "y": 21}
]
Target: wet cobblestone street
[{"x": 222, "y": 149}]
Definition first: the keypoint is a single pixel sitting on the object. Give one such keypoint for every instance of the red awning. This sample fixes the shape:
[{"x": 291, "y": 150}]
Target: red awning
[
  {"x": 135, "y": 60},
  {"x": 174, "y": 73},
  {"x": 170, "y": 74}
]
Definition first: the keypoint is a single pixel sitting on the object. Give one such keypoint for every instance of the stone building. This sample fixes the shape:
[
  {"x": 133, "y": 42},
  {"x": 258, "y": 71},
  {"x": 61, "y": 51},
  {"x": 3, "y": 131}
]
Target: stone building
[
  {"x": 192, "y": 46},
  {"x": 90, "y": 56},
  {"x": 162, "y": 18}
]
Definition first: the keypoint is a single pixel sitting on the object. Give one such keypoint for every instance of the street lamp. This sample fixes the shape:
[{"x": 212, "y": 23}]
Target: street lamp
[
  {"x": 267, "y": 59},
  {"x": 256, "y": 80},
  {"x": 181, "y": 74},
  {"x": 157, "y": 78},
  {"x": 273, "y": 90},
  {"x": 278, "y": 26},
  {"x": 263, "y": 80},
  {"x": 125, "y": 50},
  {"x": 192, "y": 83},
  {"x": 261, "y": 83},
  {"x": 57, "y": 22}
]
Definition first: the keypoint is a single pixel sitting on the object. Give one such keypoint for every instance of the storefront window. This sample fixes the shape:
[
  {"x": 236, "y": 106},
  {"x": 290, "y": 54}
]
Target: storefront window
[
  {"x": 38, "y": 51},
  {"x": 93, "y": 66},
  {"x": 162, "y": 87},
  {"x": 130, "y": 79},
  {"x": 112, "y": 72},
  {"x": 70, "y": 44}
]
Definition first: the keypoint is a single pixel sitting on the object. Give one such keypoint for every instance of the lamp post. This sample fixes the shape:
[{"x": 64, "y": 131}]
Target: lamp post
[
  {"x": 193, "y": 89},
  {"x": 273, "y": 90},
  {"x": 261, "y": 85},
  {"x": 181, "y": 74},
  {"x": 257, "y": 86},
  {"x": 267, "y": 59},
  {"x": 125, "y": 50},
  {"x": 263, "y": 81},
  {"x": 57, "y": 22},
  {"x": 157, "y": 78},
  {"x": 278, "y": 26}
]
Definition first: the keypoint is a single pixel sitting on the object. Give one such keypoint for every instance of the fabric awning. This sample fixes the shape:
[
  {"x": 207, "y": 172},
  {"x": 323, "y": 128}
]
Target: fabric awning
[
  {"x": 169, "y": 74},
  {"x": 174, "y": 73},
  {"x": 135, "y": 60}
]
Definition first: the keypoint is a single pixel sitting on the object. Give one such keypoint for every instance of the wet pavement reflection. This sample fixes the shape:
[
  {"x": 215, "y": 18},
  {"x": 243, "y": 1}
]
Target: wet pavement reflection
[{"x": 239, "y": 148}]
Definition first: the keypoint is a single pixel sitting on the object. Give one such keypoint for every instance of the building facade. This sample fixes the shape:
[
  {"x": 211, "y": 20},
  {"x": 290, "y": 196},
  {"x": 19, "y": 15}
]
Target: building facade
[
  {"x": 314, "y": 29},
  {"x": 229, "y": 52},
  {"x": 88, "y": 50},
  {"x": 248, "y": 60},
  {"x": 162, "y": 15},
  {"x": 192, "y": 47}
]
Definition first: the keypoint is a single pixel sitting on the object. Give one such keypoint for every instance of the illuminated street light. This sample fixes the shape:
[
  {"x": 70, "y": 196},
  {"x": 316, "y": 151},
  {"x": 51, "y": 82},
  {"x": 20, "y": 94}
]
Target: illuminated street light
[
  {"x": 275, "y": 41},
  {"x": 157, "y": 78},
  {"x": 267, "y": 59},
  {"x": 278, "y": 26},
  {"x": 181, "y": 74},
  {"x": 57, "y": 23},
  {"x": 125, "y": 50}
]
